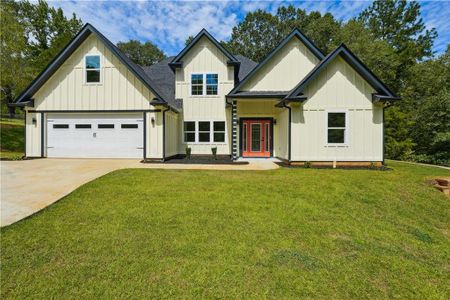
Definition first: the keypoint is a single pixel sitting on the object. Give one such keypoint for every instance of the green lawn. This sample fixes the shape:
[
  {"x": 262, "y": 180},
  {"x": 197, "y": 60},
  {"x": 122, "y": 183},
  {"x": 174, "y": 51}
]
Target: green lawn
[
  {"x": 11, "y": 138},
  {"x": 287, "y": 233}
]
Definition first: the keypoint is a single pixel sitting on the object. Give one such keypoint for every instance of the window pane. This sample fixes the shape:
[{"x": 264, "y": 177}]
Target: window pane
[
  {"x": 105, "y": 126},
  {"x": 189, "y": 126},
  {"x": 336, "y": 136},
  {"x": 267, "y": 136},
  {"x": 211, "y": 79},
  {"x": 60, "y": 126},
  {"x": 336, "y": 119},
  {"x": 197, "y": 78},
  {"x": 203, "y": 137},
  {"x": 189, "y": 137},
  {"x": 93, "y": 62},
  {"x": 83, "y": 126},
  {"x": 197, "y": 90},
  {"x": 256, "y": 137},
  {"x": 219, "y": 137},
  {"x": 129, "y": 126},
  {"x": 92, "y": 76},
  {"x": 219, "y": 126},
  {"x": 211, "y": 90},
  {"x": 203, "y": 126}
]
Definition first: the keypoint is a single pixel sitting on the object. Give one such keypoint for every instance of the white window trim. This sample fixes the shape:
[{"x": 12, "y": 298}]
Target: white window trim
[
  {"x": 204, "y": 95},
  {"x": 195, "y": 133},
  {"x": 346, "y": 128},
  {"x": 85, "y": 69},
  {"x": 211, "y": 133}
]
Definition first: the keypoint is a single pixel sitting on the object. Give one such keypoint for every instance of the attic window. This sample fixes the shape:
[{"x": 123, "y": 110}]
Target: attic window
[{"x": 92, "y": 64}]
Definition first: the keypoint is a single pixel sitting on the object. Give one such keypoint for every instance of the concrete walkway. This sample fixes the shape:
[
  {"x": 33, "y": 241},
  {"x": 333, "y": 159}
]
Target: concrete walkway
[{"x": 28, "y": 186}]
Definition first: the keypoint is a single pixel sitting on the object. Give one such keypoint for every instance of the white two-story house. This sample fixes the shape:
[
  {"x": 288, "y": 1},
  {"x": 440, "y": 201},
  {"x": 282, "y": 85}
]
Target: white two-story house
[{"x": 297, "y": 104}]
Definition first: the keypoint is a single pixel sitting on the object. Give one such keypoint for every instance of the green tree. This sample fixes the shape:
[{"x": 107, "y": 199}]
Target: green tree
[
  {"x": 47, "y": 30},
  {"x": 399, "y": 23},
  {"x": 261, "y": 31},
  {"x": 188, "y": 40},
  {"x": 255, "y": 36},
  {"x": 14, "y": 70},
  {"x": 427, "y": 95},
  {"x": 144, "y": 54}
]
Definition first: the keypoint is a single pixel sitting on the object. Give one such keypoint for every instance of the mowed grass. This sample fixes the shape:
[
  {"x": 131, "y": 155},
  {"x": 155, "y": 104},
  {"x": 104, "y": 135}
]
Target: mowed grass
[
  {"x": 287, "y": 233},
  {"x": 11, "y": 138}
]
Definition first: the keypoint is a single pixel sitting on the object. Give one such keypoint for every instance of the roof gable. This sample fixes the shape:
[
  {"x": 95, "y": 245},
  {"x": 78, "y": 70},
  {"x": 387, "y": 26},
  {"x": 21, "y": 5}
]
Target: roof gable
[
  {"x": 294, "y": 34},
  {"x": 354, "y": 62},
  {"x": 70, "y": 48},
  {"x": 177, "y": 61}
]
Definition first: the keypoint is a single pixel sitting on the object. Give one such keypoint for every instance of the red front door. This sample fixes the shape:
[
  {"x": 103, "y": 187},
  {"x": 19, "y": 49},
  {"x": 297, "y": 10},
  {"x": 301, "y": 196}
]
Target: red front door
[{"x": 256, "y": 138}]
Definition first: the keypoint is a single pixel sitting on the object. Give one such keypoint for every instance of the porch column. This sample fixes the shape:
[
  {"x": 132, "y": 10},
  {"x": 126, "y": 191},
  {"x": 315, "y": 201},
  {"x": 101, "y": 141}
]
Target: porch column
[{"x": 234, "y": 130}]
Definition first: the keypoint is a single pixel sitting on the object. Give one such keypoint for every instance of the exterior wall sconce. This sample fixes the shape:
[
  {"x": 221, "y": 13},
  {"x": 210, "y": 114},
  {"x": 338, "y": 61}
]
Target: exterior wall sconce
[
  {"x": 34, "y": 121},
  {"x": 153, "y": 121},
  {"x": 274, "y": 121}
]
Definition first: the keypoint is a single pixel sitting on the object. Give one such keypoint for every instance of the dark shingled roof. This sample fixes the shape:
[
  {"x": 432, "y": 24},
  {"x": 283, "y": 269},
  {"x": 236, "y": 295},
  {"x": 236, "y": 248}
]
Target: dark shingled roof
[
  {"x": 247, "y": 65},
  {"x": 163, "y": 77}
]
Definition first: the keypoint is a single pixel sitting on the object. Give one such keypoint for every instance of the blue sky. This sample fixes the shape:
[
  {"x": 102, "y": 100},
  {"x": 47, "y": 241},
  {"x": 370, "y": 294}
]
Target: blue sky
[{"x": 169, "y": 23}]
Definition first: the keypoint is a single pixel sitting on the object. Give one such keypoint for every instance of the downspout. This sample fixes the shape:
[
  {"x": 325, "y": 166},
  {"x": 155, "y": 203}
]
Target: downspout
[
  {"x": 289, "y": 131},
  {"x": 232, "y": 126},
  {"x": 164, "y": 133}
]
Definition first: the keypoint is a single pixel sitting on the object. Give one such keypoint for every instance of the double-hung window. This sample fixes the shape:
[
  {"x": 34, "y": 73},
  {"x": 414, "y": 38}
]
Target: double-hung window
[
  {"x": 197, "y": 84},
  {"x": 92, "y": 66},
  {"x": 204, "y": 84},
  {"x": 189, "y": 132},
  {"x": 204, "y": 132},
  {"x": 212, "y": 83},
  {"x": 219, "y": 132},
  {"x": 336, "y": 128}
]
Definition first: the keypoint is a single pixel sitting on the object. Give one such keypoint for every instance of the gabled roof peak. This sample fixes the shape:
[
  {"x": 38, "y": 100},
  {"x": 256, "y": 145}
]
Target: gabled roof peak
[
  {"x": 294, "y": 33},
  {"x": 177, "y": 61},
  {"x": 343, "y": 51}
]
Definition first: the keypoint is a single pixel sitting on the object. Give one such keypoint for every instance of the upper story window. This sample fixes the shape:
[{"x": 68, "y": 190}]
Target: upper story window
[
  {"x": 204, "y": 84},
  {"x": 92, "y": 66},
  {"x": 337, "y": 128}
]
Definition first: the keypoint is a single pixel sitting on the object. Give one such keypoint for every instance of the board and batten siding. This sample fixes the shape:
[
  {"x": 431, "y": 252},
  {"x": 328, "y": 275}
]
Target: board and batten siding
[
  {"x": 203, "y": 58},
  {"x": 119, "y": 89},
  {"x": 339, "y": 87},
  {"x": 172, "y": 134},
  {"x": 284, "y": 70}
]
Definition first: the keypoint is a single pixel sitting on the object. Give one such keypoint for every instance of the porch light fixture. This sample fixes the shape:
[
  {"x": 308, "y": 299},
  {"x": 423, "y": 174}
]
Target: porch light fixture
[
  {"x": 274, "y": 121},
  {"x": 153, "y": 121},
  {"x": 34, "y": 121}
]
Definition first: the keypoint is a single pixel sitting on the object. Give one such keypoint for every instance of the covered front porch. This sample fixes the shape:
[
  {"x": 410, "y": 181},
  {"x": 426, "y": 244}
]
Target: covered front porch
[{"x": 260, "y": 129}]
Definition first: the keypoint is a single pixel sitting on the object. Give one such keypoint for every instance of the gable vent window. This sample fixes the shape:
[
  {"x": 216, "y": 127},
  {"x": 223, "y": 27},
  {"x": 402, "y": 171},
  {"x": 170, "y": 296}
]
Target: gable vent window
[
  {"x": 337, "y": 130},
  {"x": 204, "y": 84},
  {"x": 92, "y": 64}
]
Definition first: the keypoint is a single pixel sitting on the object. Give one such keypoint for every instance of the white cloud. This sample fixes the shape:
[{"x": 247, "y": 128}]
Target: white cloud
[{"x": 169, "y": 23}]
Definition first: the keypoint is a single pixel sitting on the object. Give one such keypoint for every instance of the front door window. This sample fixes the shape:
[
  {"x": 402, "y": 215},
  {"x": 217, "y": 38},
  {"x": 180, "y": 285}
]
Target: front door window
[{"x": 256, "y": 137}]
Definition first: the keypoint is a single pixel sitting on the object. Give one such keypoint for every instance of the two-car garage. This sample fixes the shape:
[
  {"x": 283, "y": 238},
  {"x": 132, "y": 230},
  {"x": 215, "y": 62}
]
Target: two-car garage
[{"x": 95, "y": 135}]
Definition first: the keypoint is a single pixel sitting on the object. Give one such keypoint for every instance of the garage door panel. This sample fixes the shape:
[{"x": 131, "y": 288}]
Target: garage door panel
[{"x": 95, "y": 136}]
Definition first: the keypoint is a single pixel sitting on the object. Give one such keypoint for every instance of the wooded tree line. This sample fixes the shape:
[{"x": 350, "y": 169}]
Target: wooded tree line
[{"x": 389, "y": 37}]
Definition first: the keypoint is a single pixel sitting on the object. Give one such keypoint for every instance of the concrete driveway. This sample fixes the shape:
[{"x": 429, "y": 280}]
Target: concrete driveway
[{"x": 28, "y": 186}]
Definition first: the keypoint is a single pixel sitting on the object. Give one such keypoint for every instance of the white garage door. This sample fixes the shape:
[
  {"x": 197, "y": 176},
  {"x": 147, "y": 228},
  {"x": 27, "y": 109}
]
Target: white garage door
[{"x": 95, "y": 135}]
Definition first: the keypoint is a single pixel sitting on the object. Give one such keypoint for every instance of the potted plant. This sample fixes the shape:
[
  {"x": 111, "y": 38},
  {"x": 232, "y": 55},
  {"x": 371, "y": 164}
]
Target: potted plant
[
  {"x": 188, "y": 152},
  {"x": 214, "y": 152}
]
